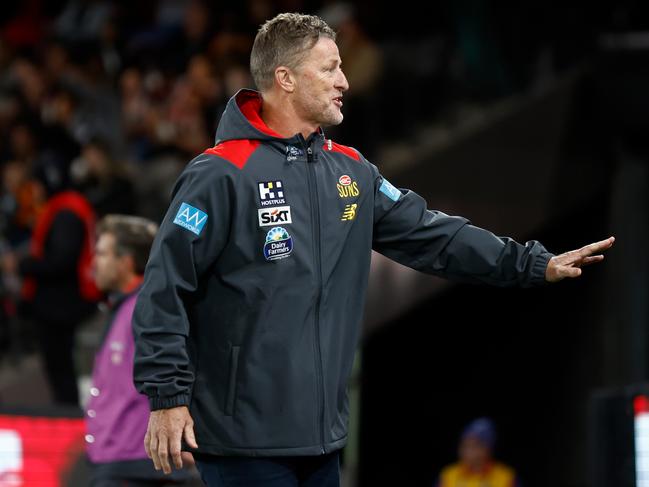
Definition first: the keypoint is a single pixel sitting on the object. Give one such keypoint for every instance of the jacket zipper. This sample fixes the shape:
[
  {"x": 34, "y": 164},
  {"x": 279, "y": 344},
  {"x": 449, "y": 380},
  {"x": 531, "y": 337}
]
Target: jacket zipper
[{"x": 315, "y": 217}]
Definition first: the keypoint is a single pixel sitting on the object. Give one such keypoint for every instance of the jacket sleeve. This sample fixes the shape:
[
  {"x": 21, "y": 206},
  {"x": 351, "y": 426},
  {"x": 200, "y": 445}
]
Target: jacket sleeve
[
  {"x": 190, "y": 239},
  {"x": 449, "y": 246}
]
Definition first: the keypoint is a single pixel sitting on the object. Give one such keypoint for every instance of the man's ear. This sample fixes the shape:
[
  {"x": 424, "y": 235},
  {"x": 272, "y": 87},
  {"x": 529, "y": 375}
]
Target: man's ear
[{"x": 285, "y": 78}]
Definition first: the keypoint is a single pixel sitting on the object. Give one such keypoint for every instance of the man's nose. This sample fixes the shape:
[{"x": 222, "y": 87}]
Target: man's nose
[{"x": 341, "y": 82}]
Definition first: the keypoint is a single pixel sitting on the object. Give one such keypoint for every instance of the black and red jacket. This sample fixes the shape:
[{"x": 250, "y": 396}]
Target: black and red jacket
[
  {"x": 58, "y": 284},
  {"x": 253, "y": 296}
]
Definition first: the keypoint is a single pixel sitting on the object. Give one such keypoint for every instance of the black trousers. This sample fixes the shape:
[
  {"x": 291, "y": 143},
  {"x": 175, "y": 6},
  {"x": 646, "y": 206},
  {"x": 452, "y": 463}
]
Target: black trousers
[{"x": 311, "y": 471}]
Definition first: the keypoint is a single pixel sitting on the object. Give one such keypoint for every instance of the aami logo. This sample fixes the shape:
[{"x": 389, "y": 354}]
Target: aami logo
[
  {"x": 346, "y": 187},
  {"x": 271, "y": 216},
  {"x": 191, "y": 218}
]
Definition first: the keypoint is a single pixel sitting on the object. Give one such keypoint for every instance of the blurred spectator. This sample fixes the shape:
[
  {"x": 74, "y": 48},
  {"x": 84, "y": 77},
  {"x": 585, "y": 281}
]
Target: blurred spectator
[
  {"x": 58, "y": 290},
  {"x": 21, "y": 200},
  {"x": 476, "y": 466},
  {"x": 363, "y": 67},
  {"x": 103, "y": 180},
  {"x": 82, "y": 20},
  {"x": 117, "y": 415}
]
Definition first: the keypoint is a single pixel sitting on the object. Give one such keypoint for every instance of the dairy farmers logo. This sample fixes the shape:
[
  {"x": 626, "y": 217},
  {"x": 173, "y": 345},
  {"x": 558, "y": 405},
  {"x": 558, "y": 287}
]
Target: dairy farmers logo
[
  {"x": 346, "y": 187},
  {"x": 191, "y": 218},
  {"x": 271, "y": 193},
  {"x": 273, "y": 216},
  {"x": 279, "y": 244}
]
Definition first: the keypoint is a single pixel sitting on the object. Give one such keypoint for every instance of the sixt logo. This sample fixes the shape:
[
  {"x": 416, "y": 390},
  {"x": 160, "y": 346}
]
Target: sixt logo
[
  {"x": 349, "y": 213},
  {"x": 271, "y": 193},
  {"x": 191, "y": 218},
  {"x": 271, "y": 216}
]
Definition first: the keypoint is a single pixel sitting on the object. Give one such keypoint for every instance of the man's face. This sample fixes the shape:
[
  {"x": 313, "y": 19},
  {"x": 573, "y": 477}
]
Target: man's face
[
  {"x": 109, "y": 268},
  {"x": 320, "y": 84}
]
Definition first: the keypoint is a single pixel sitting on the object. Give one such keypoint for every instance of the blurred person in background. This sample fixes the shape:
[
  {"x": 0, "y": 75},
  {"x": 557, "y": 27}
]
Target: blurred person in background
[
  {"x": 58, "y": 291},
  {"x": 116, "y": 415},
  {"x": 103, "y": 180},
  {"x": 249, "y": 314},
  {"x": 476, "y": 466}
]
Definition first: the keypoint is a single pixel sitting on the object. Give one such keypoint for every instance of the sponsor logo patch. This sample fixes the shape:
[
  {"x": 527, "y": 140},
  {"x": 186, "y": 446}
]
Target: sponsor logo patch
[
  {"x": 292, "y": 152},
  {"x": 271, "y": 193},
  {"x": 390, "y": 191},
  {"x": 347, "y": 188},
  {"x": 279, "y": 244},
  {"x": 349, "y": 213},
  {"x": 273, "y": 216},
  {"x": 191, "y": 218}
]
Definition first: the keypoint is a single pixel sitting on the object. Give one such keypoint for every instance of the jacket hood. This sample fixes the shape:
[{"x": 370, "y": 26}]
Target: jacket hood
[{"x": 241, "y": 119}]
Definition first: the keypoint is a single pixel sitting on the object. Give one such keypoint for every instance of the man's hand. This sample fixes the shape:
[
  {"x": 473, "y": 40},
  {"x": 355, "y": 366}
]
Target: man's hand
[
  {"x": 163, "y": 436},
  {"x": 570, "y": 263}
]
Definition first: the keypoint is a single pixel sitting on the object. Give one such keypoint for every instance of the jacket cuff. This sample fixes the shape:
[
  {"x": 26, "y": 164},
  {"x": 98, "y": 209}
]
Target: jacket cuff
[
  {"x": 537, "y": 277},
  {"x": 167, "y": 402}
]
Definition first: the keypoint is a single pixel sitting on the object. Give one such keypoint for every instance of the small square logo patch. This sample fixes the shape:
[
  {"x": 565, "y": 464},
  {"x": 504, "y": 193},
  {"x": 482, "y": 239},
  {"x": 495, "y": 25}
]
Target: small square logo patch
[
  {"x": 390, "y": 191},
  {"x": 271, "y": 193},
  {"x": 191, "y": 218}
]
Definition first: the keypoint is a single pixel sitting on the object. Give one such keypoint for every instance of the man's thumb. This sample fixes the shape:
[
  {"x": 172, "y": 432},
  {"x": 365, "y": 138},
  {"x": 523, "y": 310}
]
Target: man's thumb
[{"x": 189, "y": 436}]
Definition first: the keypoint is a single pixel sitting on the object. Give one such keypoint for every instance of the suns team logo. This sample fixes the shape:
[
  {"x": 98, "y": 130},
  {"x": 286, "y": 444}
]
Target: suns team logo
[{"x": 347, "y": 188}]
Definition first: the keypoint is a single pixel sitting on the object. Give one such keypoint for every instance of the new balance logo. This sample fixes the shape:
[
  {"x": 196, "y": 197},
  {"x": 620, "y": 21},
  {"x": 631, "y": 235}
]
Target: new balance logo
[{"x": 349, "y": 213}]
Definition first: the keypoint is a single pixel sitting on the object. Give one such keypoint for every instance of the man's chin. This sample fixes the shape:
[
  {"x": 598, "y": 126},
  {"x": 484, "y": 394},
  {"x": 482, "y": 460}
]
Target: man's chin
[{"x": 333, "y": 121}]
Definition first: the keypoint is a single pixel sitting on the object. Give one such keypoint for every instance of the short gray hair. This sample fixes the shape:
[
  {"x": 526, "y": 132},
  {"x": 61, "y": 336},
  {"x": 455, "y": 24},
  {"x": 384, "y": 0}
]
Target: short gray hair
[
  {"x": 283, "y": 41},
  {"x": 133, "y": 235}
]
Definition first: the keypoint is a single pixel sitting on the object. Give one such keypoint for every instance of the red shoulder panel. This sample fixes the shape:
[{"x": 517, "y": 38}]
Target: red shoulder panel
[
  {"x": 235, "y": 151},
  {"x": 343, "y": 149}
]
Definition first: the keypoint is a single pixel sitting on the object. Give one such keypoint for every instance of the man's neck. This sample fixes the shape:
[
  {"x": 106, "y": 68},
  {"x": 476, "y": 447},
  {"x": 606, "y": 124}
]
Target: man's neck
[{"x": 279, "y": 115}]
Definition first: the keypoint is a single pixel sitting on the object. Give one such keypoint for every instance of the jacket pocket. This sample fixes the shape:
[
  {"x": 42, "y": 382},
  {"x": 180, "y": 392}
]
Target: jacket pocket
[{"x": 232, "y": 381}]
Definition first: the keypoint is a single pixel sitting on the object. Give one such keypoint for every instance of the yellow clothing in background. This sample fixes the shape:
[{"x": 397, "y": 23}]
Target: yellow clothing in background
[{"x": 495, "y": 475}]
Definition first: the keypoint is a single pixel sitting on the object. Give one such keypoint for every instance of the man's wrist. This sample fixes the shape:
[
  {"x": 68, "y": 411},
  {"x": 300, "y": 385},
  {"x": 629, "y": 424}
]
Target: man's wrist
[{"x": 167, "y": 402}]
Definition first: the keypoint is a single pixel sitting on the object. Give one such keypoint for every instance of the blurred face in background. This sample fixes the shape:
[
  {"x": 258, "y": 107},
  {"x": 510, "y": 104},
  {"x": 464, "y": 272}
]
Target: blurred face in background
[
  {"x": 112, "y": 271},
  {"x": 320, "y": 84},
  {"x": 474, "y": 453}
]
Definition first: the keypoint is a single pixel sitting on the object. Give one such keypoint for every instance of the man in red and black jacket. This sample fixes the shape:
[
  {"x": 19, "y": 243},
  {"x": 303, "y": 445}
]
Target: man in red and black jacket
[{"x": 58, "y": 290}]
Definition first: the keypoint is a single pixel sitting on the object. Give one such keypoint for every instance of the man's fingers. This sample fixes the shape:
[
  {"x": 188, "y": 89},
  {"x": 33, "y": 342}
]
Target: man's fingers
[
  {"x": 147, "y": 439},
  {"x": 163, "y": 453},
  {"x": 591, "y": 260},
  {"x": 153, "y": 448},
  {"x": 566, "y": 271},
  {"x": 596, "y": 247},
  {"x": 189, "y": 435},
  {"x": 174, "y": 449}
]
